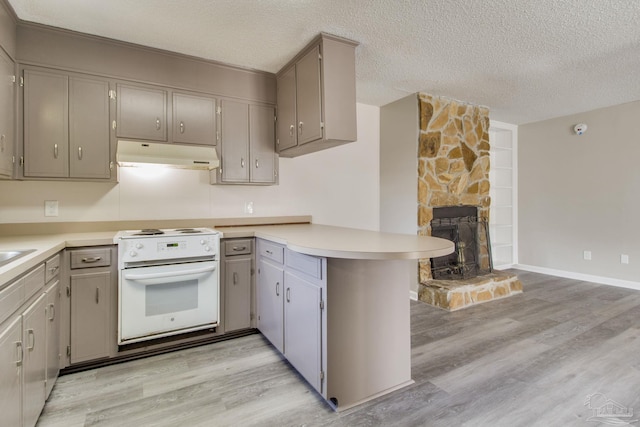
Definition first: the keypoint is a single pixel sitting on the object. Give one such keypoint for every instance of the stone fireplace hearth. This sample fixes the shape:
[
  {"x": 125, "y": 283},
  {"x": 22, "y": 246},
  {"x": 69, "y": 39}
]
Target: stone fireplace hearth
[{"x": 453, "y": 171}]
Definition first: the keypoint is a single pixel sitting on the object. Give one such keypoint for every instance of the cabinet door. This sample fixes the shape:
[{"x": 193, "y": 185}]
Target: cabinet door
[
  {"x": 10, "y": 369},
  {"x": 89, "y": 128},
  {"x": 303, "y": 328},
  {"x": 261, "y": 143},
  {"x": 308, "y": 97},
  {"x": 270, "y": 291},
  {"x": 7, "y": 114},
  {"x": 235, "y": 141},
  {"x": 141, "y": 113},
  {"x": 53, "y": 336},
  {"x": 34, "y": 375},
  {"x": 237, "y": 293},
  {"x": 46, "y": 124},
  {"x": 90, "y": 308},
  {"x": 287, "y": 132},
  {"x": 194, "y": 119}
]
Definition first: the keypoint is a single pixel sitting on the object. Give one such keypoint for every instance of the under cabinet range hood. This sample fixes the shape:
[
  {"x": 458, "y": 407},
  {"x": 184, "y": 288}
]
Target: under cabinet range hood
[{"x": 138, "y": 153}]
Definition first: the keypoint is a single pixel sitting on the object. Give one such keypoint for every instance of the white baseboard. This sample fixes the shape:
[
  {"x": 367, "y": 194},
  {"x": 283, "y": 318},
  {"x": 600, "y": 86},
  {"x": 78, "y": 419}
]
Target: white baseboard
[
  {"x": 580, "y": 276},
  {"x": 413, "y": 295}
]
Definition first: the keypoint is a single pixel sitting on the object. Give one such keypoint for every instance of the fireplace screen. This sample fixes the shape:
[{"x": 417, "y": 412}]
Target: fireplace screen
[{"x": 460, "y": 224}]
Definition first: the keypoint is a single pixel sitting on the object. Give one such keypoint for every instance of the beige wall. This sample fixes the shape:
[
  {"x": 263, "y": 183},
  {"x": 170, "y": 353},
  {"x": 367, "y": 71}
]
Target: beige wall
[
  {"x": 338, "y": 186},
  {"x": 580, "y": 193}
]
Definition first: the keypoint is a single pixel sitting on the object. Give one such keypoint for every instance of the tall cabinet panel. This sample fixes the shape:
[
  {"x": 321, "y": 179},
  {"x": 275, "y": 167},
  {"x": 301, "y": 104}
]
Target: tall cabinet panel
[
  {"x": 261, "y": 148},
  {"x": 34, "y": 343},
  {"x": 10, "y": 372},
  {"x": 235, "y": 141},
  {"x": 308, "y": 97},
  {"x": 194, "y": 119},
  {"x": 7, "y": 114},
  {"x": 270, "y": 297},
  {"x": 53, "y": 335},
  {"x": 287, "y": 127},
  {"x": 237, "y": 293},
  {"x": 89, "y": 128},
  {"x": 46, "y": 124}
]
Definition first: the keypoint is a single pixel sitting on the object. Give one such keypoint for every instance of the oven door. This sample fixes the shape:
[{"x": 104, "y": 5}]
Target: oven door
[{"x": 166, "y": 300}]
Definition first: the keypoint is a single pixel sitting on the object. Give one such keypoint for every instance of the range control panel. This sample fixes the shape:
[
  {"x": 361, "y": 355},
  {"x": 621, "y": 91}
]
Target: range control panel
[{"x": 156, "y": 248}]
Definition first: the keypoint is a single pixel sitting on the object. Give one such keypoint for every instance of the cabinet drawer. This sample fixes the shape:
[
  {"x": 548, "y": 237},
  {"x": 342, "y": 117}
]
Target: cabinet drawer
[
  {"x": 11, "y": 298},
  {"x": 51, "y": 268},
  {"x": 33, "y": 282},
  {"x": 272, "y": 251},
  {"x": 88, "y": 258},
  {"x": 237, "y": 247},
  {"x": 306, "y": 264}
]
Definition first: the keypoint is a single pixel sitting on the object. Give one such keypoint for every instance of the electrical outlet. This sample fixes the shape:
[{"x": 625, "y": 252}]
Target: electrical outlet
[
  {"x": 50, "y": 208},
  {"x": 248, "y": 208},
  {"x": 587, "y": 255},
  {"x": 624, "y": 259}
]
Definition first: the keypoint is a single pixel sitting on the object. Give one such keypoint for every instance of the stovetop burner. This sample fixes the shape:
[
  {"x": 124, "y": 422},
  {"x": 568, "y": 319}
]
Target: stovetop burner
[{"x": 148, "y": 232}]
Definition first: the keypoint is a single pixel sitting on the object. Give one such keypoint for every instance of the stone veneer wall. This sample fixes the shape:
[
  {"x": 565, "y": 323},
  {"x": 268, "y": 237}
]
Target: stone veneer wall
[{"x": 453, "y": 163}]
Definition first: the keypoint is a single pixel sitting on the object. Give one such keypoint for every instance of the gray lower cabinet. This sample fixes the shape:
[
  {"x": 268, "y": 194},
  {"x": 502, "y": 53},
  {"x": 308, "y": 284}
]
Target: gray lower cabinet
[
  {"x": 247, "y": 144},
  {"x": 237, "y": 266},
  {"x": 53, "y": 335},
  {"x": 194, "y": 119},
  {"x": 91, "y": 336},
  {"x": 34, "y": 344},
  {"x": 7, "y": 114},
  {"x": 141, "y": 112},
  {"x": 291, "y": 290},
  {"x": 66, "y": 126},
  {"x": 11, "y": 372},
  {"x": 317, "y": 97}
]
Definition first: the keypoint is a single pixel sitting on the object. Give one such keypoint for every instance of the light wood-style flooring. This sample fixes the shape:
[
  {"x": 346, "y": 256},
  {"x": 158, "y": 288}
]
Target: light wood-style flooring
[{"x": 528, "y": 360}]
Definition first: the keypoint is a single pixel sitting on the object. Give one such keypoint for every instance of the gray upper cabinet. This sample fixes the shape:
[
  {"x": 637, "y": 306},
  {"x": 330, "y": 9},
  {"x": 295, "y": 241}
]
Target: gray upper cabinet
[
  {"x": 317, "y": 97},
  {"x": 261, "y": 144},
  {"x": 141, "y": 112},
  {"x": 7, "y": 115},
  {"x": 89, "y": 128},
  {"x": 66, "y": 126},
  {"x": 194, "y": 119},
  {"x": 247, "y": 144},
  {"x": 46, "y": 124}
]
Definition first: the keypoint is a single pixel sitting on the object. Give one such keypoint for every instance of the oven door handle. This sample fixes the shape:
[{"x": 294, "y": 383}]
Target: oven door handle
[{"x": 183, "y": 273}]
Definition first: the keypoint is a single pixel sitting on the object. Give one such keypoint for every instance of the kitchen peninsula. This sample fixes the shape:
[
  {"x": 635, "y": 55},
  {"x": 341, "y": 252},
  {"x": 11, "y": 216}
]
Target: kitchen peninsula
[{"x": 362, "y": 278}]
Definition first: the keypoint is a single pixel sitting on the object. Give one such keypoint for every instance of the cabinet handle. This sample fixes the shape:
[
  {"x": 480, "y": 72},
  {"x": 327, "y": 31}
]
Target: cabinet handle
[
  {"x": 277, "y": 288},
  {"x": 55, "y": 151},
  {"x": 300, "y": 128},
  {"x": 269, "y": 252},
  {"x": 288, "y": 294},
  {"x": 97, "y": 295},
  {"x": 2, "y": 143},
  {"x": 257, "y": 164},
  {"x": 291, "y": 130},
  {"x": 158, "y": 123},
  {"x": 52, "y": 312},
  {"x": 92, "y": 259},
  {"x": 31, "y": 339},
  {"x": 239, "y": 248},
  {"x": 235, "y": 278},
  {"x": 241, "y": 162},
  {"x": 19, "y": 353},
  {"x": 79, "y": 153},
  {"x": 53, "y": 269},
  {"x": 181, "y": 127}
]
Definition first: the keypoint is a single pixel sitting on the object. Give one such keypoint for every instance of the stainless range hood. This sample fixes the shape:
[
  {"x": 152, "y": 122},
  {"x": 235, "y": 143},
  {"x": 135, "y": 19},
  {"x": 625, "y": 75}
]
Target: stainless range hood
[{"x": 137, "y": 153}]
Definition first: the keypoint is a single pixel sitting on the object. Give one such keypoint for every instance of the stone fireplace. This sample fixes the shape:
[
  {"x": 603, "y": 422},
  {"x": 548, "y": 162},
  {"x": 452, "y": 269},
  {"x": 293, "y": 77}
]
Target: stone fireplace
[{"x": 453, "y": 176}]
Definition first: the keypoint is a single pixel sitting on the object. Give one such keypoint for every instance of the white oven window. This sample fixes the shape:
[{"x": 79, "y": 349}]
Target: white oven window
[{"x": 165, "y": 300}]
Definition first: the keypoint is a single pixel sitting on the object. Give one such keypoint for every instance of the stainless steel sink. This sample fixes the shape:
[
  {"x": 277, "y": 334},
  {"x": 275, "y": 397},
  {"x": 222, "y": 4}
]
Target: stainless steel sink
[{"x": 9, "y": 256}]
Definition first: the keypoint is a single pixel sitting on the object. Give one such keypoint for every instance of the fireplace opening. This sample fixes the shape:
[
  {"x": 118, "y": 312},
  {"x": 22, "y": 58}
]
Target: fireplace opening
[{"x": 461, "y": 225}]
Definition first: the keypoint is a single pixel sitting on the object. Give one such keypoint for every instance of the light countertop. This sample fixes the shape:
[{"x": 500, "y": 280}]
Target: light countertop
[{"x": 310, "y": 239}]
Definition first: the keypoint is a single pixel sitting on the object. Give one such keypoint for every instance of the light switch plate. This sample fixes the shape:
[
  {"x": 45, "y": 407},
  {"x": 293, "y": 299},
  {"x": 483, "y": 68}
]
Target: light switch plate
[
  {"x": 50, "y": 208},
  {"x": 624, "y": 259},
  {"x": 248, "y": 208}
]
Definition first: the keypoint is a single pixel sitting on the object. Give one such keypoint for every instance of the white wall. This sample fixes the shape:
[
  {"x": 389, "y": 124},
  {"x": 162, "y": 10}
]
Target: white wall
[
  {"x": 580, "y": 193},
  {"x": 338, "y": 186}
]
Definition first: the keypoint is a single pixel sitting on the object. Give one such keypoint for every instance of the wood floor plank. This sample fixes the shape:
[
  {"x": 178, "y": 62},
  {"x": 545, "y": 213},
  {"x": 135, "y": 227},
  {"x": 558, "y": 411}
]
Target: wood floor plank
[{"x": 527, "y": 360}]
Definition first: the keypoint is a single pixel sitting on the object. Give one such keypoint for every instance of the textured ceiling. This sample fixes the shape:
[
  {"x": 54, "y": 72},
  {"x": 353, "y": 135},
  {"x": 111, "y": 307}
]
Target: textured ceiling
[{"x": 527, "y": 60}]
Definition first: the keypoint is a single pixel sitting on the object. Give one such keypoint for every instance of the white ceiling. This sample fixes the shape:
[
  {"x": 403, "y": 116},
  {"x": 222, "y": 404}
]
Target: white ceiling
[{"x": 527, "y": 60}]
